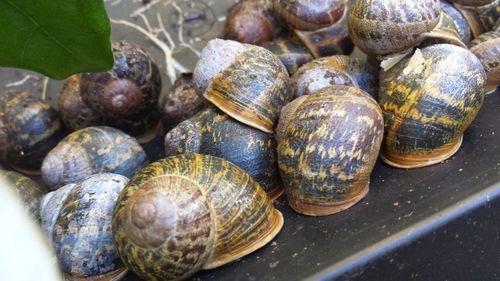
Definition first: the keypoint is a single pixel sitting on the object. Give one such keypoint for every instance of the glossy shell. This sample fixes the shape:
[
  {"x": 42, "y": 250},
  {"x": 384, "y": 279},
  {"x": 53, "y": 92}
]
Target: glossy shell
[
  {"x": 292, "y": 54},
  {"x": 382, "y": 27},
  {"x": 191, "y": 212},
  {"x": 247, "y": 82},
  {"x": 481, "y": 19},
  {"x": 327, "y": 147},
  {"x": 33, "y": 128},
  {"x": 487, "y": 49},
  {"x": 77, "y": 220},
  {"x": 214, "y": 133},
  {"x": 29, "y": 191},
  {"x": 308, "y": 14},
  {"x": 428, "y": 101},
  {"x": 89, "y": 151},
  {"x": 461, "y": 23}
]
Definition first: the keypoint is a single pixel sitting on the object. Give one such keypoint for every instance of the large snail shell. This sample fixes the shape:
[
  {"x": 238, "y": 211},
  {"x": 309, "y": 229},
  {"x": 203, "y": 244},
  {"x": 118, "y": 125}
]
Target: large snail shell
[
  {"x": 487, "y": 49},
  {"x": 33, "y": 128},
  {"x": 292, "y": 54},
  {"x": 189, "y": 212},
  {"x": 89, "y": 151},
  {"x": 29, "y": 191},
  {"x": 428, "y": 101},
  {"x": 481, "y": 19},
  {"x": 327, "y": 148},
  {"x": 77, "y": 220},
  {"x": 382, "y": 27},
  {"x": 308, "y": 14},
  {"x": 461, "y": 23},
  {"x": 214, "y": 133},
  {"x": 247, "y": 82}
]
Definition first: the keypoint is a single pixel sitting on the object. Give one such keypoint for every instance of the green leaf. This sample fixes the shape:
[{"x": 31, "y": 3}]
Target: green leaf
[{"x": 57, "y": 38}]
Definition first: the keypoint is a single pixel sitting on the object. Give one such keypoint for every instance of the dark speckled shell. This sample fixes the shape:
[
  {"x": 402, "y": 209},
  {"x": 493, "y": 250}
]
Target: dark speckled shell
[
  {"x": 214, "y": 133},
  {"x": 89, "y": 151},
  {"x": 292, "y": 54},
  {"x": 29, "y": 191},
  {"x": 81, "y": 232},
  {"x": 327, "y": 147},
  {"x": 189, "y": 212},
  {"x": 428, "y": 101}
]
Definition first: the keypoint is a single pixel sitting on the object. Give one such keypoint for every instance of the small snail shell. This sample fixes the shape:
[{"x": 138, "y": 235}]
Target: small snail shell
[
  {"x": 77, "y": 220},
  {"x": 249, "y": 83},
  {"x": 75, "y": 113},
  {"x": 33, "y": 128},
  {"x": 214, "y": 133},
  {"x": 250, "y": 21},
  {"x": 189, "y": 212},
  {"x": 487, "y": 49},
  {"x": 89, "y": 151},
  {"x": 461, "y": 23},
  {"x": 381, "y": 27},
  {"x": 428, "y": 101},
  {"x": 29, "y": 191},
  {"x": 328, "y": 143},
  {"x": 481, "y": 19},
  {"x": 292, "y": 54},
  {"x": 307, "y": 14},
  {"x": 181, "y": 102},
  {"x": 472, "y": 2}
]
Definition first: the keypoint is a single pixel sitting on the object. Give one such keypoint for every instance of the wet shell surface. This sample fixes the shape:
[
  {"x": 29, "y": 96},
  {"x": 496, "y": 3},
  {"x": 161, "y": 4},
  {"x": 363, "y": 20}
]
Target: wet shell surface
[
  {"x": 191, "y": 212},
  {"x": 89, "y": 151},
  {"x": 428, "y": 101}
]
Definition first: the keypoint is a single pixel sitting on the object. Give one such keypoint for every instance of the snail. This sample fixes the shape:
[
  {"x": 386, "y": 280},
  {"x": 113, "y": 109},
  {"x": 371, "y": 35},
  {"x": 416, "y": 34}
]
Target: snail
[
  {"x": 482, "y": 18},
  {"x": 308, "y": 15},
  {"x": 339, "y": 70},
  {"x": 181, "y": 102},
  {"x": 445, "y": 32},
  {"x": 190, "y": 212},
  {"x": 31, "y": 128},
  {"x": 328, "y": 143},
  {"x": 89, "y": 151},
  {"x": 487, "y": 49},
  {"x": 126, "y": 96},
  {"x": 428, "y": 101},
  {"x": 291, "y": 53},
  {"x": 214, "y": 133},
  {"x": 382, "y": 27},
  {"x": 249, "y": 83},
  {"x": 460, "y": 22},
  {"x": 250, "y": 21},
  {"x": 75, "y": 113},
  {"x": 28, "y": 190},
  {"x": 77, "y": 220}
]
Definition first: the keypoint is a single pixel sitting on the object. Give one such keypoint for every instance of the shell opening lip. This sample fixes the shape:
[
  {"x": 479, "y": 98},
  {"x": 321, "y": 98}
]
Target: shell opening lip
[{"x": 110, "y": 276}]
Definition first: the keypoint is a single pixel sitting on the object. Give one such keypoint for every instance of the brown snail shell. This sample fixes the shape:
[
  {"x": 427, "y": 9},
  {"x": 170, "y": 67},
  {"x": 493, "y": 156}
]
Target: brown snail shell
[
  {"x": 29, "y": 191},
  {"x": 481, "y": 19},
  {"x": 181, "y": 102},
  {"x": 89, "y": 151},
  {"x": 190, "y": 212},
  {"x": 460, "y": 22},
  {"x": 249, "y": 83},
  {"x": 292, "y": 54},
  {"x": 487, "y": 49},
  {"x": 328, "y": 143},
  {"x": 32, "y": 127},
  {"x": 250, "y": 21},
  {"x": 381, "y": 27},
  {"x": 428, "y": 101},
  {"x": 212, "y": 132},
  {"x": 77, "y": 220},
  {"x": 126, "y": 93},
  {"x": 307, "y": 14}
]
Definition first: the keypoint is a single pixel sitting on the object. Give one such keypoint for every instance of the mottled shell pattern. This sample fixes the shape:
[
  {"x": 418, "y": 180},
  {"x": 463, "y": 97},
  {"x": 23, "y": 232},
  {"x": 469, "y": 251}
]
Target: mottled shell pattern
[
  {"x": 381, "y": 27},
  {"x": 191, "y": 212},
  {"x": 308, "y": 14},
  {"x": 328, "y": 143},
  {"x": 445, "y": 32},
  {"x": 28, "y": 190},
  {"x": 249, "y": 83},
  {"x": 460, "y": 22},
  {"x": 482, "y": 18},
  {"x": 487, "y": 49},
  {"x": 77, "y": 221},
  {"x": 428, "y": 101},
  {"x": 292, "y": 54},
  {"x": 214, "y": 133},
  {"x": 89, "y": 151}
]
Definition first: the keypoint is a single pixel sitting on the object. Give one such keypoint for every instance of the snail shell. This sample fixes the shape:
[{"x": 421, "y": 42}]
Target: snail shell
[
  {"x": 30, "y": 192},
  {"x": 308, "y": 14},
  {"x": 328, "y": 144},
  {"x": 310, "y": 80},
  {"x": 33, "y": 128},
  {"x": 446, "y": 32},
  {"x": 214, "y": 133},
  {"x": 77, "y": 220},
  {"x": 472, "y": 2},
  {"x": 481, "y": 19},
  {"x": 89, "y": 151},
  {"x": 428, "y": 101},
  {"x": 189, "y": 212},
  {"x": 460, "y": 22},
  {"x": 381, "y": 27},
  {"x": 487, "y": 49},
  {"x": 247, "y": 82},
  {"x": 292, "y": 54}
]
